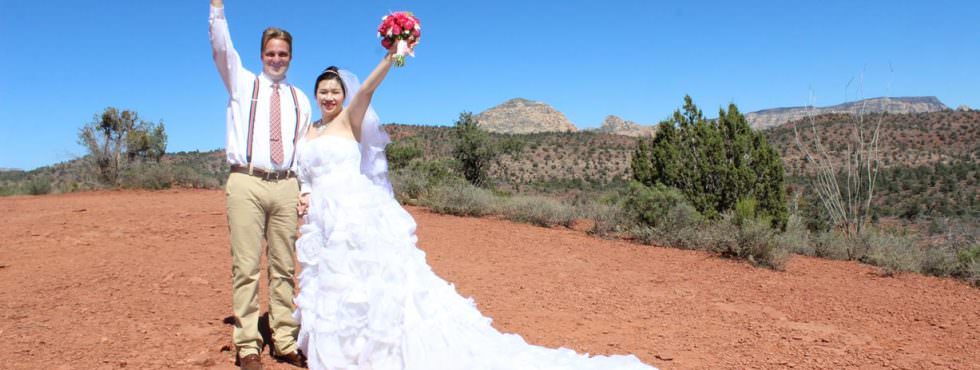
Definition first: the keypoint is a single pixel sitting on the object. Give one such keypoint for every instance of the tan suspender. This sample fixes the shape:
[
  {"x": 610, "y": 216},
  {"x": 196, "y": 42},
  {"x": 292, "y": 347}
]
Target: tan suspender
[{"x": 251, "y": 122}]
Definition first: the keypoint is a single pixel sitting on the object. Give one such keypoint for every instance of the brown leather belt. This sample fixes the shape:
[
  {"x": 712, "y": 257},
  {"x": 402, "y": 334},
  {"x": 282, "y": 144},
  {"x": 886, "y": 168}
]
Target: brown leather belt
[{"x": 263, "y": 174}]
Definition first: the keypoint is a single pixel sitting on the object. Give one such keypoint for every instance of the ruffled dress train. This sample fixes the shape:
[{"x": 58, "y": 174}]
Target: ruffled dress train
[{"x": 369, "y": 300}]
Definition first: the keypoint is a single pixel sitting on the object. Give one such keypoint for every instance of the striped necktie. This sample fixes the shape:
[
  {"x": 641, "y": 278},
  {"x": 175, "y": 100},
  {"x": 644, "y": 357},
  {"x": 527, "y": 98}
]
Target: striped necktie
[{"x": 275, "y": 128}]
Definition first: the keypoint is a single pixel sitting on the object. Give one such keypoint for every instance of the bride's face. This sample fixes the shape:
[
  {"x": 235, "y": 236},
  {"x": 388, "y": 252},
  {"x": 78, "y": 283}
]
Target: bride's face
[{"x": 330, "y": 97}]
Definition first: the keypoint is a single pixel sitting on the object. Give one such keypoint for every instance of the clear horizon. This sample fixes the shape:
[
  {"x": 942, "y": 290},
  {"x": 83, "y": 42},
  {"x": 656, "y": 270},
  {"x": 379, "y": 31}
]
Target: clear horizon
[{"x": 67, "y": 61}]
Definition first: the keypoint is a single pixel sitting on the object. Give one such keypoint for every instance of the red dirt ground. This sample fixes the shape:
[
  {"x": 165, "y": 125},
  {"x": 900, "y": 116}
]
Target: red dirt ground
[{"x": 136, "y": 279}]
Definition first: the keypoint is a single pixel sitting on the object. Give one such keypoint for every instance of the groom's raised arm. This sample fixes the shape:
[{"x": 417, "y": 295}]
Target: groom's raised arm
[{"x": 225, "y": 57}]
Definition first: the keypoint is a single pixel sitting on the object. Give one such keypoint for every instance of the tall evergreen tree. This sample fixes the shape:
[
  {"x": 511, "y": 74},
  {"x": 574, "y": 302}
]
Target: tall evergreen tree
[
  {"x": 474, "y": 150},
  {"x": 714, "y": 163}
]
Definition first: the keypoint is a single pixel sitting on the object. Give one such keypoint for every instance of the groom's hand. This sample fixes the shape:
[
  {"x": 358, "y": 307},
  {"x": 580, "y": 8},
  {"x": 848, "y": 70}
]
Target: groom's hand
[{"x": 303, "y": 204}]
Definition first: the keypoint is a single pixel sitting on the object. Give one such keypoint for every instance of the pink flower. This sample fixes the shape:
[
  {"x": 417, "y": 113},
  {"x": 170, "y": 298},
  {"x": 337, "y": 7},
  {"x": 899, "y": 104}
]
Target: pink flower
[{"x": 399, "y": 26}]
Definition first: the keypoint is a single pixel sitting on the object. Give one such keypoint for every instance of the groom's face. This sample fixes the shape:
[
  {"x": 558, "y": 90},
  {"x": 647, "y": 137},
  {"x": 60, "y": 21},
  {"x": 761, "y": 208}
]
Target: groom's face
[{"x": 275, "y": 58}]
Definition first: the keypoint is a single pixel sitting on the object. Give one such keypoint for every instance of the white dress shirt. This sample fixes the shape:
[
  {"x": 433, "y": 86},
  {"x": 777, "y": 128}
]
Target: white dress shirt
[{"x": 239, "y": 83}]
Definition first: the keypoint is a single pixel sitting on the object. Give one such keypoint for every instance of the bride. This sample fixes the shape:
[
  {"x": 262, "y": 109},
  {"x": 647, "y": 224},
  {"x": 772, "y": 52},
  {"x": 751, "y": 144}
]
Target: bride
[{"x": 368, "y": 299}]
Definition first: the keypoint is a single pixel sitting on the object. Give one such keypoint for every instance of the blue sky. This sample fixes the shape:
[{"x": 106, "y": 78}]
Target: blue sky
[{"x": 65, "y": 61}]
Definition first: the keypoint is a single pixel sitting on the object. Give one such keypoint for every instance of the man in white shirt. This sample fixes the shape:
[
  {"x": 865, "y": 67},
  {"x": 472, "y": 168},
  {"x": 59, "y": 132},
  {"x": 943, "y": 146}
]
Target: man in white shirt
[{"x": 265, "y": 117}]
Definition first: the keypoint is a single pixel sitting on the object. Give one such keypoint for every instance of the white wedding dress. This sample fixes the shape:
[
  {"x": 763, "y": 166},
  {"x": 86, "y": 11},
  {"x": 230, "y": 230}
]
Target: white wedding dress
[{"x": 369, "y": 300}]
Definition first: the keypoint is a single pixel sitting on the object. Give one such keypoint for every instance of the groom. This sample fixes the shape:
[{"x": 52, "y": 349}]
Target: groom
[{"x": 265, "y": 117}]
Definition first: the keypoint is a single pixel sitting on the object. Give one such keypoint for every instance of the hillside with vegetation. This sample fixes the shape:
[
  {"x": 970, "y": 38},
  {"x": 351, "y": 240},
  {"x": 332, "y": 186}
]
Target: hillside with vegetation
[
  {"x": 923, "y": 214},
  {"x": 930, "y": 161}
]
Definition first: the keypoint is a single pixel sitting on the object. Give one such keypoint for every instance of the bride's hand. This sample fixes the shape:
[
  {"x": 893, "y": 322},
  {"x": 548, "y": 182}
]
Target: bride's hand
[
  {"x": 394, "y": 49},
  {"x": 303, "y": 204}
]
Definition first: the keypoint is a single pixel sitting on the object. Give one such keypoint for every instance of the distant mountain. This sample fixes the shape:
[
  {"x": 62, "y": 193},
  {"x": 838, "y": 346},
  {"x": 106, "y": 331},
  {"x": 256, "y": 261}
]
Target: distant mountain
[
  {"x": 522, "y": 116},
  {"x": 618, "y": 126},
  {"x": 9, "y": 169},
  {"x": 764, "y": 119}
]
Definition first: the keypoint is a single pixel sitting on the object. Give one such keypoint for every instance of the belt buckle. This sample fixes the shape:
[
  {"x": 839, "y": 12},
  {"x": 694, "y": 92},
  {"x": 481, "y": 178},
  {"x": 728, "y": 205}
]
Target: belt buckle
[{"x": 276, "y": 175}]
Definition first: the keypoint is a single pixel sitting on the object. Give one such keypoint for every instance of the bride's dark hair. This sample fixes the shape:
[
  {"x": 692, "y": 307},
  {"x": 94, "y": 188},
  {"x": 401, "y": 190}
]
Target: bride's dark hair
[{"x": 331, "y": 73}]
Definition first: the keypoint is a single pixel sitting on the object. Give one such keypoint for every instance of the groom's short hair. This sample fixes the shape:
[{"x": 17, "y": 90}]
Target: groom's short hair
[{"x": 276, "y": 33}]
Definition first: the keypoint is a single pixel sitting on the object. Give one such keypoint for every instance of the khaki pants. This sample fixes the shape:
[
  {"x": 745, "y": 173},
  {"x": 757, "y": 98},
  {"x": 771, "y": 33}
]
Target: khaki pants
[{"x": 258, "y": 208}]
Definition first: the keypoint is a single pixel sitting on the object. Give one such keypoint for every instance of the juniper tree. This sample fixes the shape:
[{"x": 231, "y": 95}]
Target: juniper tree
[{"x": 714, "y": 163}]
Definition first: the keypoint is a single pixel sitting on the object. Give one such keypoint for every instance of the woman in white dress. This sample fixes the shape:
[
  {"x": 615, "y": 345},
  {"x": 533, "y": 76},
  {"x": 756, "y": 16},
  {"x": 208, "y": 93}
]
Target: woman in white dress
[{"x": 368, "y": 299}]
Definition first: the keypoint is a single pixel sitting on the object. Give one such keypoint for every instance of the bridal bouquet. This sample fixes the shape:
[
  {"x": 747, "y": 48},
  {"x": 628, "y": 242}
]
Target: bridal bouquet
[{"x": 401, "y": 29}]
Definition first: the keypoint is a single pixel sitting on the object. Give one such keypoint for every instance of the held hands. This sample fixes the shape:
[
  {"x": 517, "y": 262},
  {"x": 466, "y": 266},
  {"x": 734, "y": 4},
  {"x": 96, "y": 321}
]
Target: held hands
[
  {"x": 303, "y": 204},
  {"x": 217, "y": 3}
]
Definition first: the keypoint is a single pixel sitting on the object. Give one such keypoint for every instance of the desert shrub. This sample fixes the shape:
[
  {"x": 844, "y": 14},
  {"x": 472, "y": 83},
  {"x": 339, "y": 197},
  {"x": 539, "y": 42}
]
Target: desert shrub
[
  {"x": 6, "y": 190},
  {"x": 413, "y": 183},
  {"x": 147, "y": 176},
  {"x": 749, "y": 238},
  {"x": 644, "y": 234},
  {"x": 538, "y": 210},
  {"x": 461, "y": 199},
  {"x": 830, "y": 244},
  {"x": 409, "y": 186},
  {"x": 38, "y": 186},
  {"x": 796, "y": 237},
  {"x": 709, "y": 236},
  {"x": 606, "y": 218},
  {"x": 759, "y": 243},
  {"x": 939, "y": 261},
  {"x": 892, "y": 252}
]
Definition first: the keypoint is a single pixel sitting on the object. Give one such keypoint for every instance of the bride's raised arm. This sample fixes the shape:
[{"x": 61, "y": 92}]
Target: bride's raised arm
[{"x": 360, "y": 102}]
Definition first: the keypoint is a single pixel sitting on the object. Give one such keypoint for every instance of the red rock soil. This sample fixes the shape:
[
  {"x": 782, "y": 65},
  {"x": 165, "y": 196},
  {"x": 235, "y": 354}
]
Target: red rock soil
[{"x": 136, "y": 279}]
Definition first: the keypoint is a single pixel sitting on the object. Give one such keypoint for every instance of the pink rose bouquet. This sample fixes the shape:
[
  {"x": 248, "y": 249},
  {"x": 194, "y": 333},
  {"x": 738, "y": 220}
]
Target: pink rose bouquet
[{"x": 401, "y": 29}]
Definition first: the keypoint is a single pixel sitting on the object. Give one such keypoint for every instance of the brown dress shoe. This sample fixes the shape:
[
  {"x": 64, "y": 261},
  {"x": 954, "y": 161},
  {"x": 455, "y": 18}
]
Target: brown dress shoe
[
  {"x": 250, "y": 362},
  {"x": 295, "y": 358}
]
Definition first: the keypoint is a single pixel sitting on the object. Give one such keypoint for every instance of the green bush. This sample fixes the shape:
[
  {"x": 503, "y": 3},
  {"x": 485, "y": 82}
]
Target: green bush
[
  {"x": 401, "y": 153},
  {"x": 969, "y": 255},
  {"x": 969, "y": 264},
  {"x": 650, "y": 205}
]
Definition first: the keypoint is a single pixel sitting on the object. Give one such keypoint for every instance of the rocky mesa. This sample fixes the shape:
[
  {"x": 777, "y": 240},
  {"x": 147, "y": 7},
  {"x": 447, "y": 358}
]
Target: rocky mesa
[
  {"x": 767, "y": 118},
  {"x": 618, "y": 126},
  {"x": 522, "y": 116}
]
